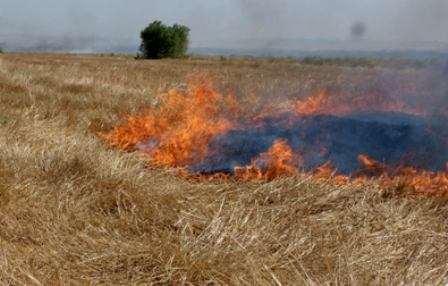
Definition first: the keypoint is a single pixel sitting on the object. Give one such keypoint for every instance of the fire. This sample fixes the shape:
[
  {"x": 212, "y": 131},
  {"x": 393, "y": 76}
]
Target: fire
[
  {"x": 430, "y": 183},
  {"x": 278, "y": 161},
  {"x": 410, "y": 179},
  {"x": 415, "y": 181},
  {"x": 320, "y": 104},
  {"x": 371, "y": 167},
  {"x": 180, "y": 130},
  {"x": 328, "y": 172},
  {"x": 177, "y": 132},
  {"x": 334, "y": 104}
]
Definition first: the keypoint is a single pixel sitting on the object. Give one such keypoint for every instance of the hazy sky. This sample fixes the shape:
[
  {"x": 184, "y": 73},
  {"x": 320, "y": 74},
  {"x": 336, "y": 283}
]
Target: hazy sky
[{"x": 222, "y": 20}]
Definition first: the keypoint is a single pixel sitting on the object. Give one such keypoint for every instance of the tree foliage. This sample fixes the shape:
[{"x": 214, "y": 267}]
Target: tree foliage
[{"x": 162, "y": 41}]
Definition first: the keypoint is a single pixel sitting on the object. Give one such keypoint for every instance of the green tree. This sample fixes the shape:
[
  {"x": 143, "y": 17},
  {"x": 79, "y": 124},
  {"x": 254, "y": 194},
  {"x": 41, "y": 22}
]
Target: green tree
[{"x": 161, "y": 41}]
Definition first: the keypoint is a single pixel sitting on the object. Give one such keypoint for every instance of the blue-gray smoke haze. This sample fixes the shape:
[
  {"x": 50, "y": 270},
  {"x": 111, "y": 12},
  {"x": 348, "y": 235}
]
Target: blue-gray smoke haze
[{"x": 217, "y": 23}]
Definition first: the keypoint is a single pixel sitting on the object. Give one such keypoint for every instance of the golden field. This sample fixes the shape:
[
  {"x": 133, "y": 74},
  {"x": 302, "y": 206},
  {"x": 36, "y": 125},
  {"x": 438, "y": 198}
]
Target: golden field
[{"x": 74, "y": 211}]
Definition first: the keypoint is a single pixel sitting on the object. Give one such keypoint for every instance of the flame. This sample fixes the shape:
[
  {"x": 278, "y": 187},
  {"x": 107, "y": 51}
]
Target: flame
[
  {"x": 278, "y": 161},
  {"x": 328, "y": 172},
  {"x": 340, "y": 104},
  {"x": 319, "y": 104},
  {"x": 415, "y": 181},
  {"x": 370, "y": 167},
  {"x": 410, "y": 179},
  {"x": 176, "y": 132}
]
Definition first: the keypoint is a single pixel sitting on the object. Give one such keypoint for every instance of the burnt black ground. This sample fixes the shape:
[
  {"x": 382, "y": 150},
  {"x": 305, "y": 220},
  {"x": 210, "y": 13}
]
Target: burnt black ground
[{"x": 391, "y": 138}]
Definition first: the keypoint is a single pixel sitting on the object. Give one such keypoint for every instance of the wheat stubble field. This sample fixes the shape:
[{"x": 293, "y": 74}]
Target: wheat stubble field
[{"x": 74, "y": 211}]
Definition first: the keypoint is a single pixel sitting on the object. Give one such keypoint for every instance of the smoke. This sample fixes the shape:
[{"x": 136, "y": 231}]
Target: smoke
[
  {"x": 264, "y": 17},
  {"x": 234, "y": 20},
  {"x": 358, "y": 30},
  {"x": 389, "y": 137},
  {"x": 423, "y": 20},
  {"x": 434, "y": 88}
]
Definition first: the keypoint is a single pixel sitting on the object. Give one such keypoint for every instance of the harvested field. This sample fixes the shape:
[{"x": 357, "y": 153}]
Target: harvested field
[{"x": 75, "y": 211}]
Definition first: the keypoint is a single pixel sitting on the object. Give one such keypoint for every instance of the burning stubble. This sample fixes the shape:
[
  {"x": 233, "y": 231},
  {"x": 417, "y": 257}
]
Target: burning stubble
[
  {"x": 381, "y": 133},
  {"x": 75, "y": 212}
]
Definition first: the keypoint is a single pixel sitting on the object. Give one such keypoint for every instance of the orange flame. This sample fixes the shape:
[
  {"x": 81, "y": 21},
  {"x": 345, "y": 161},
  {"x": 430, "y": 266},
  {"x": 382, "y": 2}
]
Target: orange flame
[
  {"x": 328, "y": 172},
  {"x": 177, "y": 132},
  {"x": 335, "y": 104},
  {"x": 278, "y": 161},
  {"x": 411, "y": 180},
  {"x": 421, "y": 181}
]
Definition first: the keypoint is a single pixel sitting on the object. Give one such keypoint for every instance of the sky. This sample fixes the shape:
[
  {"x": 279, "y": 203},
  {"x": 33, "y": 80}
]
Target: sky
[{"x": 219, "y": 21}]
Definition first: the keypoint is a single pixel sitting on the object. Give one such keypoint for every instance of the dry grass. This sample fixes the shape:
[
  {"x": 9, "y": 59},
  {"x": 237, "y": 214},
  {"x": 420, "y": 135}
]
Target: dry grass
[{"x": 74, "y": 212}]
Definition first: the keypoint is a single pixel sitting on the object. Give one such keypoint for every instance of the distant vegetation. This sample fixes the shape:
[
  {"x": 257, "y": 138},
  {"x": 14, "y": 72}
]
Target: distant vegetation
[
  {"x": 161, "y": 41},
  {"x": 1, "y": 50},
  {"x": 368, "y": 62}
]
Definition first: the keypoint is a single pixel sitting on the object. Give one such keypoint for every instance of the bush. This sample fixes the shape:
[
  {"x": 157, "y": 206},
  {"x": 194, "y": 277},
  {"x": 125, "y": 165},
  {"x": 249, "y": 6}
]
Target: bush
[
  {"x": 161, "y": 41},
  {"x": 1, "y": 50}
]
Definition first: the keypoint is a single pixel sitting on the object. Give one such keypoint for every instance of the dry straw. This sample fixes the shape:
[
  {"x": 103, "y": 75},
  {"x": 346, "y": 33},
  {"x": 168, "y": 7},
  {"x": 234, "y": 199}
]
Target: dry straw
[{"x": 74, "y": 212}]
